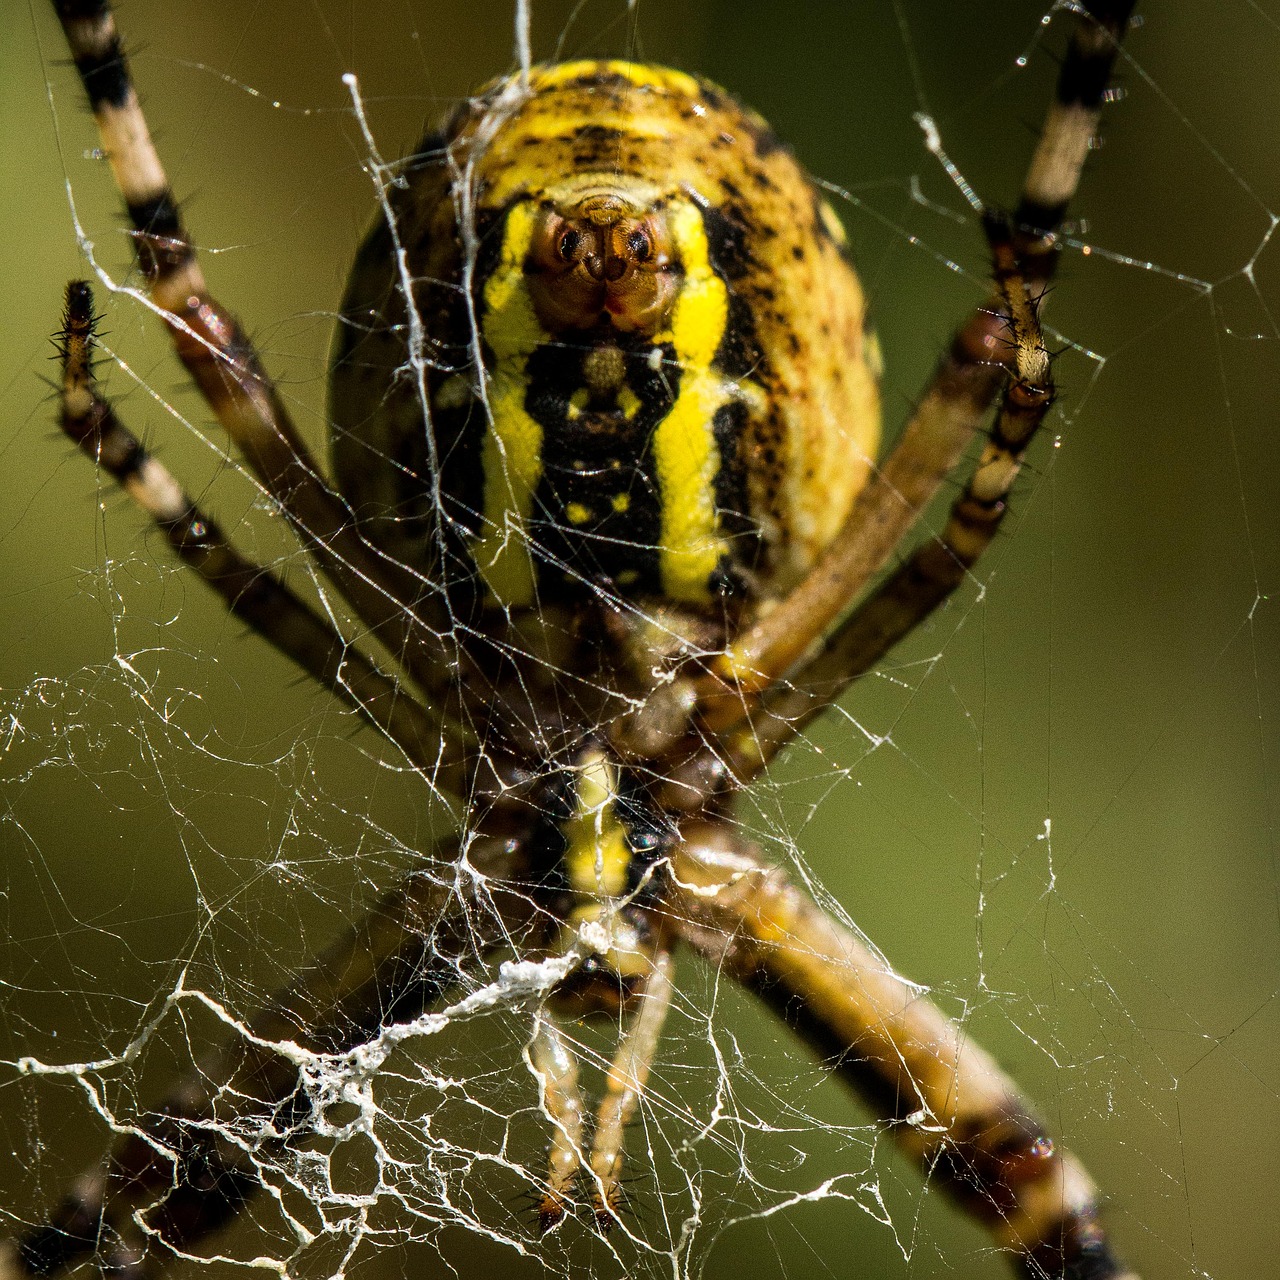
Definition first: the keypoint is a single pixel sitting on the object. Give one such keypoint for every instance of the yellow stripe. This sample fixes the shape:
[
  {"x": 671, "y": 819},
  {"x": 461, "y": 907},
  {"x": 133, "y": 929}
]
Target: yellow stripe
[
  {"x": 686, "y": 459},
  {"x": 685, "y": 456},
  {"x": 596, "y": 856},
  {"x": 640, "y": 74},
  {"x": 511, "y": 455}
]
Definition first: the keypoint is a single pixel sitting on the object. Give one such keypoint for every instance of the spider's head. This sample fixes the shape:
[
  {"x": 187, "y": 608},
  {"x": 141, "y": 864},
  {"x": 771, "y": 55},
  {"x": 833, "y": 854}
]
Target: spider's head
[{"x": 602, "y": 258}]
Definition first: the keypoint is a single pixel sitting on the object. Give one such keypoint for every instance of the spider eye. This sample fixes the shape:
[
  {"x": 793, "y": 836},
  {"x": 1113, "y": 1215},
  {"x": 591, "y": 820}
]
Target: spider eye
[
  {"x": 639, "y": 245},
  {"x": 569, "y": 242}
]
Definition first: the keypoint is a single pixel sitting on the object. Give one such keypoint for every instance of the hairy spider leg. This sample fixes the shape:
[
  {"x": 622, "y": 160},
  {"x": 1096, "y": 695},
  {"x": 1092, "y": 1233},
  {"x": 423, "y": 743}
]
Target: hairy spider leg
[
  {"x": 937, "y": 567},
  {"x": 947, "y": 1102},
  {"x": 956, "y": 401},
  {"x": 251, "y": 592},
  {"x": 391, "y": 600}
]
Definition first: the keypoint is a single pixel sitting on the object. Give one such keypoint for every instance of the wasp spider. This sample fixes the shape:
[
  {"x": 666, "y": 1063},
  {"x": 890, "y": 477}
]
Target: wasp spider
[{"x": 607, "y": 484}]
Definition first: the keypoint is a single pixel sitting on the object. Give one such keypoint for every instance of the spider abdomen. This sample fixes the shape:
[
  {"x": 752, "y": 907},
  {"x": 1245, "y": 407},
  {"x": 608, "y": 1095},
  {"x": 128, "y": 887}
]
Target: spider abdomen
[{"x": 645, "y": 365}]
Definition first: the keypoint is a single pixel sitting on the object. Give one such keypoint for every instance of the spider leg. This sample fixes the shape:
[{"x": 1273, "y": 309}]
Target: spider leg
[
  {"x": 253, "y": 594},
  {"x": 946, "y": 1101},
  {"x": 939, "y": 565},
  {"x": 624, "y": 1087},
  {"x": 954, "y": 404},
  {"x": 186, "y": 1168},
  {"x": 222, "y": 362},
  {"x": 552, "y": 1060}
]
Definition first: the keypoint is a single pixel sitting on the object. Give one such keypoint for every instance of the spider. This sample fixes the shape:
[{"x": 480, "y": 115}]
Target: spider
[{"x": 606, "y": 426}]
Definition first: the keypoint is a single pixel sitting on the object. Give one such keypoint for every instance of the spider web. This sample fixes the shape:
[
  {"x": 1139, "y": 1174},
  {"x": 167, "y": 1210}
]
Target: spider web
[{"x": 1054, "y": 805}]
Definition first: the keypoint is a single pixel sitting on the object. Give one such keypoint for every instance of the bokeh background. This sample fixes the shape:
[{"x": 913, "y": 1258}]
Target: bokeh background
[{"x": 1057, "y": 805}]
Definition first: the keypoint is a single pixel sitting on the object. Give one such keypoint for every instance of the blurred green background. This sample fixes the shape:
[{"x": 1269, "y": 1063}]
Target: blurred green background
[{"x": 1057, "y": 805}]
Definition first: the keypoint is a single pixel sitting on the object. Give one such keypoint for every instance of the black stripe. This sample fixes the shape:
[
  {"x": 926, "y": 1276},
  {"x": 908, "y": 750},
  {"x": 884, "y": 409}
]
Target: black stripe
[
  {"x": 82, "y": 10},
  {"x": 732, "y": 498},
  {"x": 101, "y": 437},
  {"x": 728, "y": 239},
  {"x": 1082, "y": 83},
  {"x": 590, "y": 456},
  {"x": 595, "y": 145},
  {"x": 1086, "y": 71},
  {"x": 121, "y": 453},
  {"x": 1081, "y": 1253},
  {"x": 105, "y": 76},
  {"x": 601, "y": 79},
  {"x": 103, "y": 69},
  {"x": 738, "y": 356},
  {"x": 1037, "y": 220},
  {"x": 162, "y": 245},
  {"x": 157, "y": 215}
]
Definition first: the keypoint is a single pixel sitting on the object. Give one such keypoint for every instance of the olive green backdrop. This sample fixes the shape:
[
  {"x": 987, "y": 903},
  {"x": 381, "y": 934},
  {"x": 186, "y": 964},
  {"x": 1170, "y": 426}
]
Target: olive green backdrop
[{"x": 1057, "y": 805}]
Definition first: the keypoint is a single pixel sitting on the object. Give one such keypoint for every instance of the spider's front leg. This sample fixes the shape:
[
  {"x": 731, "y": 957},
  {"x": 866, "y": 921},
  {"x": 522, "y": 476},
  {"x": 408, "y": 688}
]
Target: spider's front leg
[
  {"x": 1000, "y": 337},
  {"x": 947, "y": 1101},
  {"x": 395, "y": 602}
]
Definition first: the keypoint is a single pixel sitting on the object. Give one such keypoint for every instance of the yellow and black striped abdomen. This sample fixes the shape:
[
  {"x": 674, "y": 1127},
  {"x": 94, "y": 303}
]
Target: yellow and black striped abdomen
[{"x": 644, "y": 363}]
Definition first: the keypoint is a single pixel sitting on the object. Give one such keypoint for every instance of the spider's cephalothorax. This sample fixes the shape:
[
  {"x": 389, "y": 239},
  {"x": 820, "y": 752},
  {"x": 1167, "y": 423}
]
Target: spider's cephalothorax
[{"x": 604, "y": 410}]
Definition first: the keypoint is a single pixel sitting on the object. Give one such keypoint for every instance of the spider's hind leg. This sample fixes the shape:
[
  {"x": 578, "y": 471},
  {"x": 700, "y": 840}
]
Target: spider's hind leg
[
  {"x": 185, "y": 1168},
  {"x": 946, "y": 1101},
  {"x": 939, "y": 565}
]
